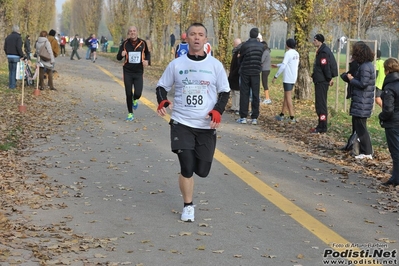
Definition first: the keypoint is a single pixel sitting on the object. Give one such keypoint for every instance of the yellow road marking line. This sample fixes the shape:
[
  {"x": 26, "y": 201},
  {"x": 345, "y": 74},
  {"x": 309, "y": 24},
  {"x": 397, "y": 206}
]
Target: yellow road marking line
[{"x": 321, "y": 231}]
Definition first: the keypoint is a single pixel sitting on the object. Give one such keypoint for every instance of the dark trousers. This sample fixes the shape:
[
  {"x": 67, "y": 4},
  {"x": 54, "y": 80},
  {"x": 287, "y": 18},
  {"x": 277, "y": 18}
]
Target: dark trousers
[
  {"x": 132, "y": 80},
  {"x": 62, "y": 47},
  {"x": 248, "y": 83},
  {"x": 392, "y": 135},
  {"x": 49, "y": 72},
  {"x": 359, "y": 124},
  {"x": 73, "y": 54},
  {"x": 321, "y": 90}
]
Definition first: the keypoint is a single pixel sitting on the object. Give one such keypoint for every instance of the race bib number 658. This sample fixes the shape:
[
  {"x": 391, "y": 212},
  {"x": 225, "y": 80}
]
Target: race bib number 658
[{"x": 194, "y": 96}]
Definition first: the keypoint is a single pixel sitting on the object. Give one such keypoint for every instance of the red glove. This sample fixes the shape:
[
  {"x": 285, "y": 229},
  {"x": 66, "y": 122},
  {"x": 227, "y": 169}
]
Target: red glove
[
  {"x": 164, "y": 103},
  {"x": 215, "y": 116}
]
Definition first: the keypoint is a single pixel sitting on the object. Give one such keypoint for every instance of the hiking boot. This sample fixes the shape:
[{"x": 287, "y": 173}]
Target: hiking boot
[{"x": 188, "y": 214}]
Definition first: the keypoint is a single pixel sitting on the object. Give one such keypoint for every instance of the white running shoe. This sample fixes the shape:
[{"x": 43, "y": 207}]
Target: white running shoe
[
  {"x": 241, "y": 120},
  {"x": 364, "y": 156},
  {"x": 267, "y": 101},
  {"x": 188, "y": 214}
]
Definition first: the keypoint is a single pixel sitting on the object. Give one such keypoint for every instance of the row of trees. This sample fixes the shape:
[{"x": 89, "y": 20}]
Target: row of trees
[
  {"x": 228, "y": 18},
  {"x": 31, "y": 16}
]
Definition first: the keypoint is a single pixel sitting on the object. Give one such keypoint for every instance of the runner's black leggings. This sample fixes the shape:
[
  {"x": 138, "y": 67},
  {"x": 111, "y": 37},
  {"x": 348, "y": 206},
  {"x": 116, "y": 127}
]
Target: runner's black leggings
[
  {"x": 132, "y": 80},
  {"x": 189, "y": 164}
]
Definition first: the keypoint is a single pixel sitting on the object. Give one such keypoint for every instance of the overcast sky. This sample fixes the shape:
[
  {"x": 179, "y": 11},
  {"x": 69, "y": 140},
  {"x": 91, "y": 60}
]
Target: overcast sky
[{"x": 58, "y": 4}]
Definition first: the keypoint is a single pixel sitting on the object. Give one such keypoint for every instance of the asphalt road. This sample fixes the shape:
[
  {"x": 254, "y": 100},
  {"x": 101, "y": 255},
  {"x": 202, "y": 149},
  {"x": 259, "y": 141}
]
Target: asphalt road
[{"x": 264, "y": 202}]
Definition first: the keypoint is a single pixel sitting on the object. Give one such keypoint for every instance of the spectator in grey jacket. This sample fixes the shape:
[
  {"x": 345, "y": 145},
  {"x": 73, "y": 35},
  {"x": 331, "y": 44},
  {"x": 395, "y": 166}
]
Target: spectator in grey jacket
[
  {"x": 13, "y": 50},
  {"x": 362, "y": 98},
  {"x": 266, "y": 65}
]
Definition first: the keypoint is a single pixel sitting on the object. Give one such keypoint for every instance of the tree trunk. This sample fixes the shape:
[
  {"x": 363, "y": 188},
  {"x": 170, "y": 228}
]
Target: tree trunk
[
  {"x": 224, "y": 26},
  {"x": 301, "y": 17},
  {"x": 303, "y": 87}
]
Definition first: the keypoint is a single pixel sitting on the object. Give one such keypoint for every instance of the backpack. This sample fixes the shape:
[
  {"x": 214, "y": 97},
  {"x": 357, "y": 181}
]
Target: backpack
[
  {"x": 72, "y": 43},
  {"x": 353, "y": 144}
]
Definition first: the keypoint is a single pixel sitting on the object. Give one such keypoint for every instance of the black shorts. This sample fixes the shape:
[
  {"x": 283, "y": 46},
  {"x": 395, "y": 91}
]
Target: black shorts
[
  {"x": 288, "y": 86},
  {"x": 202, "y": 141},
  {"x": 378, "y": 92},
  {"x": 93, "y": 50}
]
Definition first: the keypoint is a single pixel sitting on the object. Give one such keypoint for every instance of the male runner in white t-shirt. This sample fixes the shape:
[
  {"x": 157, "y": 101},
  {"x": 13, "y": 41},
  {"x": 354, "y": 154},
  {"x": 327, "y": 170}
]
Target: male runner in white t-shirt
[{"x": 201, "y": 92}]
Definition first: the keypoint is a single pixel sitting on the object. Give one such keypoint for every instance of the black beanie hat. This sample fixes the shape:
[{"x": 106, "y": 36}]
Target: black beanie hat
[
  {"x": 253, "y": 33},
  {"x": 291, "y": 43},
  {"x": 319, "y": 37},
  {"x": 51, "y": 32}
]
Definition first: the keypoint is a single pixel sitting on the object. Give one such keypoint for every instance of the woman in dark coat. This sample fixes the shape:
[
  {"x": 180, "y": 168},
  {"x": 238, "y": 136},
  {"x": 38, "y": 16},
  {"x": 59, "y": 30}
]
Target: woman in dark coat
[
  {"x": 389, "y": 117},
  {"x": 362, "y": 97}
]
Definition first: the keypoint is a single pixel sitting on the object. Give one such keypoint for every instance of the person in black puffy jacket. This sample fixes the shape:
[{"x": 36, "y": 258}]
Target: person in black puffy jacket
[
  {"x": 362, "y": 98},
  {"x": 250, "y": 61},
  {"x": 389, "y": 117}
]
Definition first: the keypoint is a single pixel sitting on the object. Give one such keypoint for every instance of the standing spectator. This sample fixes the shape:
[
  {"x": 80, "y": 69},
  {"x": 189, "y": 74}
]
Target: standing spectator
[
  {"x": 27, "y": 48},
  {"x": 172, "y": 40},
  {"x": 13, "y": 50},
  {"x": 362, "y": 100},
  {"x": 260, "y": 38},
  {"x": 93, "y": 47},
  {"x": 81, "y": 42},
  {"x": 250, "y": 67},
  {"x": 88, "y": 52},
  {"x": 54, "y": 43},
  {"x": 389, "y": 117},
  {"x": 193, "y": 123},
  {"x": 266, "y": 64},
  {"x": 353, "y": 67},
  {"x": 104, "y": 44},
  {"x": 136, "y": 54},
  {"x": 290, "y": 68},
  {"x": 75, "y": 45},
  {"x": 234, "y": 77},
  {"x": 208, "y": 48},
  {"x": 45, "y": 66},
  {"x": 182, "y": 48},
  {"x": 149, "y": 45},
  {"x": 380, "y": 74},
  {"x": 62, "y": 45},
  {"x": 324, "y": 70}
]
